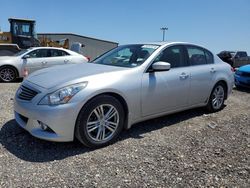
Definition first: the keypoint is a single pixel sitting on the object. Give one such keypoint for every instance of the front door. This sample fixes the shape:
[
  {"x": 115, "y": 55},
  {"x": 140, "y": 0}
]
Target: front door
[
  {"x": 166, "y": 90},
  {"x": 37, "y": 59},
  {"x": 57, "y": 57}
]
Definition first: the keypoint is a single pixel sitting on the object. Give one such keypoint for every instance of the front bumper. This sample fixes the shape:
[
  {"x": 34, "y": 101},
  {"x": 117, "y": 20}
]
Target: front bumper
[
  {"x": 60, "y": 119},
  {"x": 242, "y": 81}
]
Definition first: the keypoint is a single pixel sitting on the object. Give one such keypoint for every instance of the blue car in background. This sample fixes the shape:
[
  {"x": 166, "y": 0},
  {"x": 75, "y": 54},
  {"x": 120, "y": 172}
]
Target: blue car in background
[{"x": 242, "y": 77}]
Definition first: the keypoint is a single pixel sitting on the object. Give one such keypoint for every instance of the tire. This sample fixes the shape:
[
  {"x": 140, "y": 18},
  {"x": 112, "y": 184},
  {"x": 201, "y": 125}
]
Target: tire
[
  {"x": 93, "y": 125},
  {"x": 217, "y": 98},
  {"x": 7, "y": 74}
]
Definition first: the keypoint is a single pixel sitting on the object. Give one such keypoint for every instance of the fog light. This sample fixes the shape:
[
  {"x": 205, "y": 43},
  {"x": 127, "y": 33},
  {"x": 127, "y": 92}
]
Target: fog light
[{"x": 43, "y": 126}]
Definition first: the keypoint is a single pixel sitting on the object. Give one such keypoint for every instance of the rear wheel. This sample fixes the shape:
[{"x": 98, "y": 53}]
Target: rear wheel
[
  {"x": 100, "y": 121},
  {"x": 217, "y": 98},
  {"x": 7, "y": 74}
]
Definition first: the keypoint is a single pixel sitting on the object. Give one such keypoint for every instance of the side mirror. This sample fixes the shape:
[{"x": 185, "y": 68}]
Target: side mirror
[
  {"x": 26, "y": 56},
  {"x": 161, "y": 66}
]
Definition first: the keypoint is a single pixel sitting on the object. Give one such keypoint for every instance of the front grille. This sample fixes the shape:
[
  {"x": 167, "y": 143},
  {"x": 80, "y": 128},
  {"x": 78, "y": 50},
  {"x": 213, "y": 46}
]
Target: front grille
[
  {"x": 26, "y": 93},
  {"x": 245, "y": 74}
]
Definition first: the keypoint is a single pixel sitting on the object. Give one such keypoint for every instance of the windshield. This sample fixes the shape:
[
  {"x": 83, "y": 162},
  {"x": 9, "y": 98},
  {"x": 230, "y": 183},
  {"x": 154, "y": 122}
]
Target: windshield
[
  {"x": 127, "y": 55},
  {"x": 21, "y": 52},
  {"x": 20, "y": 28}
]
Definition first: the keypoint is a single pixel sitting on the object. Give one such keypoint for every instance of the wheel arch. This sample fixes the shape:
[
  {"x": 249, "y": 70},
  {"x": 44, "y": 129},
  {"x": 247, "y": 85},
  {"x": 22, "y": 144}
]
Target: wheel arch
[{"x": 119, "y": 98}]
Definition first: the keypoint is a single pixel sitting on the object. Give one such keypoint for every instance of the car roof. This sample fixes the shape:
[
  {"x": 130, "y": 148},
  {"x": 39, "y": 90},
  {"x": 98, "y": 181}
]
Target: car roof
[
  {"x": 47, "y": 47},
  {"x": 54, "y": 48},
  {"x": 162, "y": 43}
]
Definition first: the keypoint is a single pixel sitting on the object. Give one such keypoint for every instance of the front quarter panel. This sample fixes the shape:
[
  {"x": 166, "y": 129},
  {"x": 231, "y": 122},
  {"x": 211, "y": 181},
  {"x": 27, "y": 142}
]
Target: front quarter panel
[{"x": 126, "y": 84}]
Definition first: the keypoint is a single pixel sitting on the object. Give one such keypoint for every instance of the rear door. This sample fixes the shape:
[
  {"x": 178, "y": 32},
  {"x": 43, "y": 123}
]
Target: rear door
[
  {"x": 165, "y": 91},
  {"x": 202, "y": 72},
  {"x": 57, "y": 57}
]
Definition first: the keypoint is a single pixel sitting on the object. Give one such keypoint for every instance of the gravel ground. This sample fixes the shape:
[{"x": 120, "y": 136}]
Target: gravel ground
[{"x": 188, "y": 149}]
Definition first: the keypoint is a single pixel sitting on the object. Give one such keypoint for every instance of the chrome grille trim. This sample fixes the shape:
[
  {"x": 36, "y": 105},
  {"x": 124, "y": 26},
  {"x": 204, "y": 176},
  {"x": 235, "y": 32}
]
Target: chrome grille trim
[{"x": 26, "y": 93}]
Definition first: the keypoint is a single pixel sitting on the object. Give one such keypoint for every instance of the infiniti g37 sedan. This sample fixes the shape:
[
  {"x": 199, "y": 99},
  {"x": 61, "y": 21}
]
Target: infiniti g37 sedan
[
  {"x": 32, "y": 59},
  {"x": 126, "y": 85}
]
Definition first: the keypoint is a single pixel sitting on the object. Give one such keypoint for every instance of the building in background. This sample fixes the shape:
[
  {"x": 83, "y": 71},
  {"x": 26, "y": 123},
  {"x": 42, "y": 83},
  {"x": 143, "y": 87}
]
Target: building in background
[{"x": 92, "y": 47}]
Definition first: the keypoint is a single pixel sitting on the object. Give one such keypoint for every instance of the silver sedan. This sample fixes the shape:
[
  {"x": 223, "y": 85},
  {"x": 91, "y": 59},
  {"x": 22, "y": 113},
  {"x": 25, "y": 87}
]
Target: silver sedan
[{"x": 128, "y": 84}]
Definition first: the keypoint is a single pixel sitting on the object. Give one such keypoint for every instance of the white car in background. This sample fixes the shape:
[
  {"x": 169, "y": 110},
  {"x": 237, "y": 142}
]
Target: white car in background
[{"x": 32, "y": 59}]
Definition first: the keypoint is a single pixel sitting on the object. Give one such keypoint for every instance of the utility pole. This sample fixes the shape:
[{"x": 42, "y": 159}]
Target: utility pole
[{"x": 163, "y": 32}]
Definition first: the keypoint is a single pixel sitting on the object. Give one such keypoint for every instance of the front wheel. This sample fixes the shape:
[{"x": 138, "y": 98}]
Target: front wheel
[
  {"x": 7, "y": 74},
  {"x": 217, "y": 98},
  {"x": 100, "y": 121}
]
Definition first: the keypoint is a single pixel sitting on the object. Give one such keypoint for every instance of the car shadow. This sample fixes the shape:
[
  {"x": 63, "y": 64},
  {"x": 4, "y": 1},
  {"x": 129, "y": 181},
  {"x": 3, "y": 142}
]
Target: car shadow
[
  {"x": 26, "y": 147},
  {"x": 18, "y": 80}
]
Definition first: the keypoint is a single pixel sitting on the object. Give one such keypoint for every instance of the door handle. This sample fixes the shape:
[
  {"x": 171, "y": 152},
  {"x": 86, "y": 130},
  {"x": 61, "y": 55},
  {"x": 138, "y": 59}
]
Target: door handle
[
  {"x": 184, "y": 76},
  {"x": 44, "y": 62},
  {"x": 66, "y": 61},
  {"x": 212, "y": 70}
]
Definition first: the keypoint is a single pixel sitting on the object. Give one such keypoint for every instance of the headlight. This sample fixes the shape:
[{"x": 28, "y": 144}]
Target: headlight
[{"x": 62, "y": 96}]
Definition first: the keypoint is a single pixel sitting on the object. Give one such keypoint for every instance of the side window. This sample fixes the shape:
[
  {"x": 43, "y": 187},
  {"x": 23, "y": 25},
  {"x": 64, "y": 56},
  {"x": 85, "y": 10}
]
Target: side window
[
  {"x": 38, "y": 53},
  {"x": 172, "y": 55},
  {"x": 196, "y": 56},
  {"x": 57, "y": 53}
]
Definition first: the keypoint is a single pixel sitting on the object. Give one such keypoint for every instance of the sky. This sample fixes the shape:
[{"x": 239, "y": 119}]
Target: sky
[{"x": 215, "y": 24}]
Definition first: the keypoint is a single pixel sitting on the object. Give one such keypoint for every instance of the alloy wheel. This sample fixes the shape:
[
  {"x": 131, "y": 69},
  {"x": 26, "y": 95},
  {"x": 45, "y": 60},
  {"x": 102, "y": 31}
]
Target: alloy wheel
[
  {"x": 218, "y": 97},
  {"x": 102, "y": 123},
  {"x": 7, "y": 74}
]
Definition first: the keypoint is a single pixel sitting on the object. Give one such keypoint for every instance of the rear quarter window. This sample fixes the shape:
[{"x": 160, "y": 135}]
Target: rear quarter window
[
  {"x": 199, "y": 56},
  {"x": 209, "y": 57}
]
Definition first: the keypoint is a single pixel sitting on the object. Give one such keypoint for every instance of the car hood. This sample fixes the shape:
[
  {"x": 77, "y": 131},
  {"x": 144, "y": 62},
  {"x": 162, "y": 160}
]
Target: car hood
[
  {"x": 7, "y": 58},
  {"x": 245, "y": 68},
  {"x": 58, "y": 75}
]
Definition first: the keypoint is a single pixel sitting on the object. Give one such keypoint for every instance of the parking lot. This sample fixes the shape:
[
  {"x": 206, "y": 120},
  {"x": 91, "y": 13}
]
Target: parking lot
[{"x": 187, "y": 149}]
